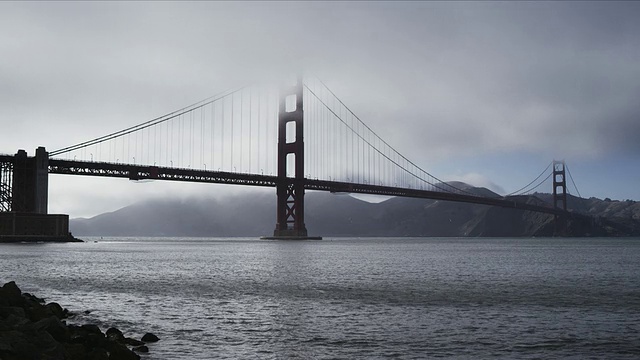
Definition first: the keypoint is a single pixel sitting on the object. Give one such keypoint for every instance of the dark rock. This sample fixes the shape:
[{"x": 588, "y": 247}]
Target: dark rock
[
  {"x": 11, "y": 295},
  {"x": 98, "y": 354},
  {"x": 30, "y": 329},
  {"x": 38, "y": 313},
  {"x": 33, "y": 298},
  {"x": 88, "y": 335},
  {"x": 57, "y": 310},
  {"x": 114, "y": 334},
  {"x": 133, "y": 342},
  {"x": 13, "y": 321},
  {"x": 33, "y": 344},
  {"x": 16, "y": 311},
  {"x": 119, "y": 351},
  {"x": 56, "y": 328},
  {"x": 141, "y": 349},
  {"x": 17, "y": 344},
  {"x": 91, "y": 328},
  {"x": 75, "y": 351},
  {"x": 149, "y": 337}
]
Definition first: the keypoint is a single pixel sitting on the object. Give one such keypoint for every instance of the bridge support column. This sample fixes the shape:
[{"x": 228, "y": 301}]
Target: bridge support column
[
  {"x": 290, "y": 187},
  {"x": 24, "y": 193},
  {"x": 30, "y": 183}
]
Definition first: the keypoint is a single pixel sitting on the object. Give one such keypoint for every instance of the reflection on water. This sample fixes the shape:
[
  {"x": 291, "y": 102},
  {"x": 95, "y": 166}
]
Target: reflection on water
[{"x": 349, "y": 298}]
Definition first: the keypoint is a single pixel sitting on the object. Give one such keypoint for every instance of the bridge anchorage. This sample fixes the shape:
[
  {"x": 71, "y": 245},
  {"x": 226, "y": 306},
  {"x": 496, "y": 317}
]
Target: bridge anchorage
[{"x": 303, "y": 133}]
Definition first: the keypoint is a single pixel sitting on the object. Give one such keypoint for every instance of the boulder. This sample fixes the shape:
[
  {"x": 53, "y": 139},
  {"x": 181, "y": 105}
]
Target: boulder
[
  {"x": 11, "y": 295},
  {"x": 13, "y": 321},
  {"x": 141, "y": 349},
  {"x": 118, "y": 351},
  {"x": 114, "y": 334},
  {"x": 33, "y": 329},
  {"x": 149, "y": 337},
  {"x": 133, "y": 342},
  {"x": 56, "y": 328},
  {"x": 6, "y": 311},
  {"x": 91, "y": 329},
  {"x": 97, "y": 354},
  {"x": 57, "y": 310},
  {"x": 75, "y": 351},
  {"x": 33, "y": 298}
]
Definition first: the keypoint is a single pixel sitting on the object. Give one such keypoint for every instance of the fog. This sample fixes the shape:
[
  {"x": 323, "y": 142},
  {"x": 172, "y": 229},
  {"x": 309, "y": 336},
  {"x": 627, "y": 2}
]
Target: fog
[{"x": 486, "y": 92}]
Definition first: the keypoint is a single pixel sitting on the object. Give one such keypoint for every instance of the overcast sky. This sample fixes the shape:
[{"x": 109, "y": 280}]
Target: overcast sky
[{"x": 484, "y": 92}]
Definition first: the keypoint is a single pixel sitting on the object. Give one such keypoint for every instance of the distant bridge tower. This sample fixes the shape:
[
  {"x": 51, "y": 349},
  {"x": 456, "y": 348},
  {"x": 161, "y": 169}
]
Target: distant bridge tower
[
  {"x": 559, "y": 197},
  {"x": 559, "y": 185},
  {"x": 290, "y": 189}
]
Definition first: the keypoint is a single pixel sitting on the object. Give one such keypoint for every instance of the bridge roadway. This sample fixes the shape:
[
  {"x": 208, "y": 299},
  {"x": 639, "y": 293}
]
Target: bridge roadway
[{"x": 144, "y": 172}]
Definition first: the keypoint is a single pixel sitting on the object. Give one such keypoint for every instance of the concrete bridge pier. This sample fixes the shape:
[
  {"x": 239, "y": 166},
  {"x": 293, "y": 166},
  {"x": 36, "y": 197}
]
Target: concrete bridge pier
[
  {"x": 30, "y": 191},
  {"x": 26, "y": 179}
]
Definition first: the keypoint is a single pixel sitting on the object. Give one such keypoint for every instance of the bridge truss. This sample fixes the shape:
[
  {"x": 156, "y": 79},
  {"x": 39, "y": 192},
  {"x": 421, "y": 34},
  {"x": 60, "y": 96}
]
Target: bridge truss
[{"x": 6, "y": 183}]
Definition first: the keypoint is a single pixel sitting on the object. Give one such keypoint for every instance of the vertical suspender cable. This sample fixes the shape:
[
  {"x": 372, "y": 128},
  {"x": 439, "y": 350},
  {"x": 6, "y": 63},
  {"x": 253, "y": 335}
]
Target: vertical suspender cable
[
  {"x": 259, "y": 134},
  {"x": 221, "y": 136},
  {"x": 241, "y": 131},
  {"x": 250, "y": 126},
  {"x": 232, "y": 139},
  {"x": 212, "y": 122}
]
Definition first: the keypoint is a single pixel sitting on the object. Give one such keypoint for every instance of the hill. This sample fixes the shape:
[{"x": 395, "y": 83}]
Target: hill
[{"x": 343, "y": 215}]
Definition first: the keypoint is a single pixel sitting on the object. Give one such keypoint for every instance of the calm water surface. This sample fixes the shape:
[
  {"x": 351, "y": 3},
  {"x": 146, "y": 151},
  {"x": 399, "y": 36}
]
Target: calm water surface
[{"x": 348, "y": 298}]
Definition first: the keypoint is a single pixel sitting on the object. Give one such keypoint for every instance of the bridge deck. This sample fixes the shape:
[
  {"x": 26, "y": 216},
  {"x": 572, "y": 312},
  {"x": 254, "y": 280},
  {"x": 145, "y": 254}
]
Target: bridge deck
[{"x": 142, "y": 172}]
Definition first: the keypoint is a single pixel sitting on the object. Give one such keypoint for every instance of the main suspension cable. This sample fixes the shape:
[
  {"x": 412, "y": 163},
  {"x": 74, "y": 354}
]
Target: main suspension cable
[
  {"x": 383, "y": 141},
  {"x": 517, "y": 192},
  {"x": 149, "y": 123}
]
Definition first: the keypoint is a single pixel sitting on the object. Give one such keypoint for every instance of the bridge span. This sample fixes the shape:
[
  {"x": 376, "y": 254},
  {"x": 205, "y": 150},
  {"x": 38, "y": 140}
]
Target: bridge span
[
  {"x": 142, "y": 172},
  {"x": 305, "y": 135}
]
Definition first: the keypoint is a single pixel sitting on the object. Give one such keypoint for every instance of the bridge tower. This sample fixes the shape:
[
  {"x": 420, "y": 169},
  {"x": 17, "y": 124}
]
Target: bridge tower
[
  {"x": 290, "y": 187},
  {"x": 559, "y": 185},
  {"x": 559, "y": 196}
]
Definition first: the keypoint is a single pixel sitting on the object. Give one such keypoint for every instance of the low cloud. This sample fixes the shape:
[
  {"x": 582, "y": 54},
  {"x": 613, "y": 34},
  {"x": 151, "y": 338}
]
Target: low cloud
[
  {"x": 439, "y": 80},
  {"x": 478, "y": 180}
]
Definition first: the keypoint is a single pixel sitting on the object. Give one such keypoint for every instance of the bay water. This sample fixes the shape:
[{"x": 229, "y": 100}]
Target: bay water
[{"x": 348, "y": 298}]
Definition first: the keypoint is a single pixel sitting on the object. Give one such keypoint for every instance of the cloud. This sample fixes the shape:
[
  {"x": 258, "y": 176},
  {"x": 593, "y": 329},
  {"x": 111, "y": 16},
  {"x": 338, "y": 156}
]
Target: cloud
[
  {"x": 478, "y": 180},
  {"x": 81, "y": 196},
  {"x": 439, "y": 80},
  {"x": 491, "y": 77},
  {"x": 535, "y": 77}
]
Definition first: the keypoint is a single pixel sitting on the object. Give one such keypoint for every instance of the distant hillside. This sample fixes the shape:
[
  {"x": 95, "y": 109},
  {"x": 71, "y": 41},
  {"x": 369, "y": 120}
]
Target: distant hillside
[{"x": 343, "y": 215}]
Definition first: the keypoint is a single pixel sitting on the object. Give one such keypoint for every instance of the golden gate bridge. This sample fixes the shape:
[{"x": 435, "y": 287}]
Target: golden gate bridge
[{"x": 296, "y": 137}]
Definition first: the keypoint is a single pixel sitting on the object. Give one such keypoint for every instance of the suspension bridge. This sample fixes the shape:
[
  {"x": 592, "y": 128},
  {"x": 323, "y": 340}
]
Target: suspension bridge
[{"x": 295, "y": 138}]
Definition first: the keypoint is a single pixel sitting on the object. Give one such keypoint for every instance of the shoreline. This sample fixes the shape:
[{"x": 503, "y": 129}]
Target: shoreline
[
  {"x": 8, "y": 239},
  {"x": 30, "y": 328}
]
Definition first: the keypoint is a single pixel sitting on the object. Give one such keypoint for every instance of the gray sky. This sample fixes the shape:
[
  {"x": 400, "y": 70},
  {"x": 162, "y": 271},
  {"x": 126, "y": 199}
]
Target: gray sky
[{"x": 484, "y": 92}]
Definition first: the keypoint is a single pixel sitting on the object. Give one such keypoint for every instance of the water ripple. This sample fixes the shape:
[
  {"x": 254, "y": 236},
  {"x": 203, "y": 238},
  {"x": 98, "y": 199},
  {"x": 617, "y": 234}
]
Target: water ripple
[{"x": 349, "y": 298}]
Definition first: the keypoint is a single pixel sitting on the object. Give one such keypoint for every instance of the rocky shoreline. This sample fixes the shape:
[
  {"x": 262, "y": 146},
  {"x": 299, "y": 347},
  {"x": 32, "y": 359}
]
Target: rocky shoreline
[{"x": 33, "y": 329}]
